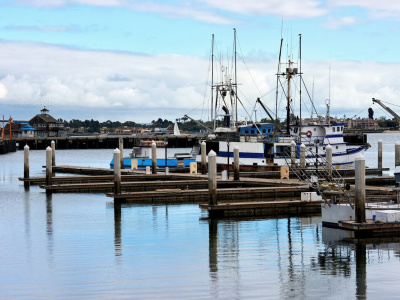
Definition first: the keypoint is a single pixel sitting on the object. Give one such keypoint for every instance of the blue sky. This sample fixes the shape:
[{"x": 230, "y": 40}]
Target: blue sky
[{"x": 140, "y": 60}]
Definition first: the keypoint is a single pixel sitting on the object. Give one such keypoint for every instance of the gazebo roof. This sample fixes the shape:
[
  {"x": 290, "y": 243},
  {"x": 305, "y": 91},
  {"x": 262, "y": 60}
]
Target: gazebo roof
[{"x": 27, "y": 127}]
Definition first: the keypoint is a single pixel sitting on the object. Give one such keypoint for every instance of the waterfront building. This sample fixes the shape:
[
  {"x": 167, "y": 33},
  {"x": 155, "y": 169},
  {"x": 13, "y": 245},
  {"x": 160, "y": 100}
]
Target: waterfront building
[{"x": 46, "y": 125}]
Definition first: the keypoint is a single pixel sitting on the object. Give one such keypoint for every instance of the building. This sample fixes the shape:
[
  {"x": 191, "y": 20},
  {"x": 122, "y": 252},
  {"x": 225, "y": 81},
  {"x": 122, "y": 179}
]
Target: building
[
  {"x": 46, "y": 125},
  {"x": 361, "y": 123}
]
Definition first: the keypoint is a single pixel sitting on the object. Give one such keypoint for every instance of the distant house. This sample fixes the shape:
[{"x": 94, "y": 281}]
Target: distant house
[
  {"x": 46, "y": 125},
  {"x": 15, "y": 129}
]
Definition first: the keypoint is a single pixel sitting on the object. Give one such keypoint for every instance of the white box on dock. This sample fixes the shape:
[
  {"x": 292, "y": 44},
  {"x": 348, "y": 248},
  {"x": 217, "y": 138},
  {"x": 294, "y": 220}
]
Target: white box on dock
[
  {"x": 310, "y": 196},
  {"x": 391, "y": 215}
]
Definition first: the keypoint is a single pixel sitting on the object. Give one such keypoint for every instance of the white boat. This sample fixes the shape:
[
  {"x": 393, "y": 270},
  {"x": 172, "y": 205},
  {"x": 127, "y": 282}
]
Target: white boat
[{"x": 265, "y": 146}]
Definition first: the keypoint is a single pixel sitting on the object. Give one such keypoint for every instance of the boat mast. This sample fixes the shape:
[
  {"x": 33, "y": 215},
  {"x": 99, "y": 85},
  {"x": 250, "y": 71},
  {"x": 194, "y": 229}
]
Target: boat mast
[
  {"x": 300, "y": 78},
  {"x": 236, "y": 119},
  {"x": 212, "y": 76},
  {"x": 288, "y": 77}
]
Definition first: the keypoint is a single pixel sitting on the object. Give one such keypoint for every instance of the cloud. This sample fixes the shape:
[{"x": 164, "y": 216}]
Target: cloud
[
  {"x": 377, "y": 9},
  {"x": 37, "y": 28},
  {"x": 288, "y": 8},
  {"x": 124, "y": 86},
  {"x": 335, "y": 23}
]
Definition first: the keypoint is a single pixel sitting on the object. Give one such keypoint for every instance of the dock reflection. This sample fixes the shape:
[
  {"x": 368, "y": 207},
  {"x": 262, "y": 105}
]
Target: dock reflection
[
  {"x": 279, "y": 239},
  {"x": 342, "y": 251}
]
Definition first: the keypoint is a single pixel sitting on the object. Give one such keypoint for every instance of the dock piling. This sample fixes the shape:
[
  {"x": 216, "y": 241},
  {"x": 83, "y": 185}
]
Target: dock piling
[
  {"x": 121, "y": 149},
  {"x": 360, "y": 190},
  {"x": 49, "y": 164},
  {"x": 53, "y": 153},
  {"x": 397, "y": 154},
  {"x": 203, "y": 158},
  {"x": 117, "y": 172},
  {"x": 26, "y": 165},
  {"x": 302, "y": 156},
  {"x": 380, "y": 154},
  {"x": 293, "y": 153},
  {"x": 328, "y": 153},
  {"x": 236, "y": 163},
  {"x": 212, "y": 177},
  {"x": 154, "y": 157}
]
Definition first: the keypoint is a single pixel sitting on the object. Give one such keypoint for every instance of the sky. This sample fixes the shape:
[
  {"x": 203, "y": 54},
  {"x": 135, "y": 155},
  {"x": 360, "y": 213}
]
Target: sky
[{"x": 128, "y": 60}]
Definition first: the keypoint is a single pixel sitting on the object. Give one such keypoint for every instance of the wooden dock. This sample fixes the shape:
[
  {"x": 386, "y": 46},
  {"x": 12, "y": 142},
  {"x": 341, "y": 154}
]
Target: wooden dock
[
  {"x": 371, "y": 229},
  {"x": 263, "y": 208},
  {"x": 250, "y": 196}
]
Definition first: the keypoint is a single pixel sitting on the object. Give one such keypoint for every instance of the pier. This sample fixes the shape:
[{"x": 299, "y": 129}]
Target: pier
[{"x": 102, "y": 141}]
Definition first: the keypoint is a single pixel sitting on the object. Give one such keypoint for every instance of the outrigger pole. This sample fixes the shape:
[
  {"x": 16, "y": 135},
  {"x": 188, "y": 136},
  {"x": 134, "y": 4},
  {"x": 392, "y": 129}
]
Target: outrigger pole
[{"x": 277, "y": 81}]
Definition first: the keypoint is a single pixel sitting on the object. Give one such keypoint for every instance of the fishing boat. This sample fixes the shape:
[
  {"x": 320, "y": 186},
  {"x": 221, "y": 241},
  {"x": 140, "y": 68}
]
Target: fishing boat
[{"x": 264, "y": 146}]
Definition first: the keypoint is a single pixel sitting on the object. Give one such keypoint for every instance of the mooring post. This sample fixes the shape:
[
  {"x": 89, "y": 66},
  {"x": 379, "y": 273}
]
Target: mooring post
[
  {"x": 397, "y": 154},
  {"x": 117, "y": 172},
  {"x": 49, "y": 168},
  {"x": 121, "y": 150},
  {"x": 203, "y": 157},
  {"x": 293, "y": 153},
  {"x": 360, "y": 189},
  {"x": 380, "y": 151},
  {"x": 212, "y": 177},
  {"x": 328, "y": 153},
  {"x": 236, "y": 163},
  {"x": 302, "y": 156},
  {"x": 53, "y": 153},
  {"x": 26, "y": 165},
  {"x": 154, "y": 157}
]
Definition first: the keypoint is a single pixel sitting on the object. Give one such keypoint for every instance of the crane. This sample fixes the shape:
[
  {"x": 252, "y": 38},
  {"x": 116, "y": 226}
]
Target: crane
[{"x": 388, "y": 109}]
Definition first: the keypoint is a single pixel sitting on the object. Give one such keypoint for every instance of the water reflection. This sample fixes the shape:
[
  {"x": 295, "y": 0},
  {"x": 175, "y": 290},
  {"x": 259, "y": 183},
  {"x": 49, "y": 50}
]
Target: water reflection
[
  {"x": 225, "y": 248},
  {"x": 341, "y": 248},
  {"x": 117, "y": 229},
  {"x": 49, "y": 224}
]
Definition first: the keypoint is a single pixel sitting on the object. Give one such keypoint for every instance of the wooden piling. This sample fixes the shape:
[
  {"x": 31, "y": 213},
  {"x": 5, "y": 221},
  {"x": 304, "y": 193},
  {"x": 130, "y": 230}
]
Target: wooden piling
[
  {"x": 302, "y": 156},
  {"x": 117, "y": 172},
  {"x": 49, "y": 165},
  {"x": 53, "y": 153},
  {"x": 212, "y": 177},
  {"x": 293, "y": 153},
  {"x": 360, "y": 190},
  {"x": 154, "y": 157},
  {"x": 26, "y": 165},
  {"x": 203, "y": 158},
  {"x": 380, "y": 154},
  {"x": 121, "y": 150},
  {"x": 397, "y": 154},
  {"x": 328, "y": 153},
  {"x": 236, "y": 163}
]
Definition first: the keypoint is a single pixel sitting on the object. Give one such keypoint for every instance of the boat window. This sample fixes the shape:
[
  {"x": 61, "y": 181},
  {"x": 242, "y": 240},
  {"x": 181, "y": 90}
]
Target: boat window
[
  {"x": 252, "y": 131},
  {"x": 333, "y": 129},
  {"x": 246, "y": 131},
  {"x": 269, "y": 130},
  {"x": 323, "y": 148},
  {"x": 264, "y": 131},
  {"x": 342, "y": 128},
  {"x": 295, "y": 130},
  {"x": 337, "y": 147},
  {"x": 315, "y": 129}
]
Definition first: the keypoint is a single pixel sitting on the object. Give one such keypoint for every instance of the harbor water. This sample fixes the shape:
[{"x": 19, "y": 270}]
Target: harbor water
[{"x": 62, "y": 246}]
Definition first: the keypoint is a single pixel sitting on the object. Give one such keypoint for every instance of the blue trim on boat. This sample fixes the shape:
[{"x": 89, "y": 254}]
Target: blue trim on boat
[{"x": 242, "y": 154}]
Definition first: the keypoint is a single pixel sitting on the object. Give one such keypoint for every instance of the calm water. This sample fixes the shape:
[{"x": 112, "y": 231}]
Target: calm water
[{"x": 79, "y": 246}]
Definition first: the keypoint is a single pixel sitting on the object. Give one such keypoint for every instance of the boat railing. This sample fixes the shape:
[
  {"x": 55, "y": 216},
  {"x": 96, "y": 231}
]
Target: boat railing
[{"x": 320, "y": 175}]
